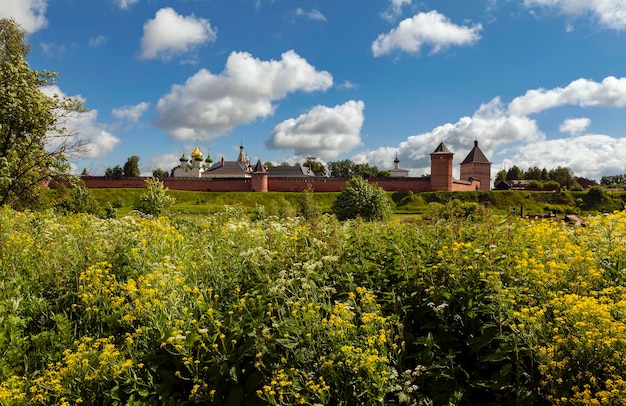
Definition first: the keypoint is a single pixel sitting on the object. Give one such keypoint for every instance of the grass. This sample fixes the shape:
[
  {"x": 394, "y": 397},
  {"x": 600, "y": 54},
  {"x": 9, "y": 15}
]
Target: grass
[{"x": 403, "y": 203}]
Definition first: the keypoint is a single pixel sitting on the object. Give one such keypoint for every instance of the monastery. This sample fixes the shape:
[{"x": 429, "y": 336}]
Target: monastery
[{"x": 200, "y": 174}]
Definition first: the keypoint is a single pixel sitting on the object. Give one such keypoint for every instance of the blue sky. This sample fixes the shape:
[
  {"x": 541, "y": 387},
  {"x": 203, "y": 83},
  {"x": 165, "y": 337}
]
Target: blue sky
[{"x": 536, "y": 82}]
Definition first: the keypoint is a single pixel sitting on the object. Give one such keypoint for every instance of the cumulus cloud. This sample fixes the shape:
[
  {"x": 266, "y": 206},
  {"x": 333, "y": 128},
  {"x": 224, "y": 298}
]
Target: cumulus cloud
[
  {"x": 395, "y": 9},
  {"x": 508, "y": 131},
  {"x": 609, "y": 13},
  {"x": 124, "y": 4},
  {"x": 490, "y": 125},
  {"x": 29, "y": 14},
  {"x": 84, "y": 127},
  {"x": 312, "y": 15},
  {"x": 210, "y": 105},
  {"x": 590, "y": 156},
  {"x": 611, "y": 92},
  {"x": 131, "y": 113},
  {"x": 425, "y": 29},
  {"x": 324, "y": 131},
  {"x": 574, "y": 126},
  {"x": 170, "y": 34}
]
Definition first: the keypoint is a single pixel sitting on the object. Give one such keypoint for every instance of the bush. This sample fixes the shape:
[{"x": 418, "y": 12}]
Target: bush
[
  {"x": 155, "y": 200},
  {"x": 361, "y": 199}
]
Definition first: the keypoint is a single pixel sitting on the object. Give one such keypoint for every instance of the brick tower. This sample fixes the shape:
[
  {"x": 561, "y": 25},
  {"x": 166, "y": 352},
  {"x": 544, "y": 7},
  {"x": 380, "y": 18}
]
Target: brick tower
[
  {"x": 477, "y": 166},
  {"x": 441, "y": 168},
  {"x": 259, "y": 178}
]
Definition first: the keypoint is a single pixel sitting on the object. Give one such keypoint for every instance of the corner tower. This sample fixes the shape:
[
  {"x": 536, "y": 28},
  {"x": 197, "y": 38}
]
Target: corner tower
[
  {"x": 441, "y": 168},
  {"x": 477, "y": 166}
]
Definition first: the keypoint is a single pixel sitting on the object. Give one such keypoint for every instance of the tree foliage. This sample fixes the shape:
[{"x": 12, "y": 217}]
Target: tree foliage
[
  {"x": 613, "y": 180},
  {"x": 348, "y": 169},
  {"x": 115, "y": 172},
  {"x": 316, "y": 165},
  {"x": 154, "y": 201},
  {"x": 160, "y": 173},
  {"x": 131, "y": 167},
  {"x": 361, "y": 199},
  {"x": 34, "y": 145}
]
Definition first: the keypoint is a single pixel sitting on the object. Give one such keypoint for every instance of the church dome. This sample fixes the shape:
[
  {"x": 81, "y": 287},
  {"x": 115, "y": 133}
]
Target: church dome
[
  {"x": 183, "y": 158},
  {"x": 196, "y": 153}
]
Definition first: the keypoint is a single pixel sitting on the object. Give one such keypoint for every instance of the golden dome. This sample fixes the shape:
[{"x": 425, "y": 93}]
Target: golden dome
[{"x": 196, "y": 153}]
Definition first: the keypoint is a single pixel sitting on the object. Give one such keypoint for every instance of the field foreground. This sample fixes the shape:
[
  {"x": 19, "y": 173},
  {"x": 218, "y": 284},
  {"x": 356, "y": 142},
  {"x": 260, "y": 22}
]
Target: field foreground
[{"x": 224, "y": 310}]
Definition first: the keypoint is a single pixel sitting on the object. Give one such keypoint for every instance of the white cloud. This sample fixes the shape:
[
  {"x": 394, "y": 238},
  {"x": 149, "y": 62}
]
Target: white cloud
[
  {"x": 508, "y": 132},
  {"x": 611, "y": 92},
  {"x": 590, "y": 156},
  {"x": 84, "y": 127},
  {"x": 131, "y": 113},
  {"x": 395, "y": 9},
  {"x": 125, "y": 3},
  {"x": 170, "y": 34},
  {"x": 574, "y": 126},
  {"x": 347, "y": 85},
  {"x": 323, "y": 131},
  {"x": 209, "y": 105},
  {"x": 610, "y": 13},
  {"x": 490, "y": 125},
  {"x": 29, "y": 14},
  {"x": 425, "y": 29},
  {"x": 313, "y": 14},
  {"x": 98, "y": 41}
]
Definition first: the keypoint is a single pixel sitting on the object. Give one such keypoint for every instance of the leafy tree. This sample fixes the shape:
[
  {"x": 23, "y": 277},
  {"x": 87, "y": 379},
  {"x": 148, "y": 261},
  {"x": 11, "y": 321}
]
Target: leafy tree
[
  {"x": 154, "y": 201},
  {"x": 514, "y": 173},
  {"x": 131, "y": 167},
  {"x": 269, "y": 164},
  {"x": 347, "y": 169},
  {"x": 533, "y": 173},
  {"x": 316, "y": 166},
  {"x": 341, "y": 169},
  {"x": 159, "y": 173},
  {"x": 613, "y": 180},
  {"x": 564, "y": 176},
  {"x": 34, "y": 145},
  {"x": 501, "y": 175},
  {"x": 115, "y": 172},
  {"x": 361, "y": 199}
]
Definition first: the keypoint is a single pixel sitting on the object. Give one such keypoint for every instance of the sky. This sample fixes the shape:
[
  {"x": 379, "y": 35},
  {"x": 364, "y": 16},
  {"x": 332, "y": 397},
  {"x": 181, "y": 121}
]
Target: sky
[{"x": 535, "y": 82}]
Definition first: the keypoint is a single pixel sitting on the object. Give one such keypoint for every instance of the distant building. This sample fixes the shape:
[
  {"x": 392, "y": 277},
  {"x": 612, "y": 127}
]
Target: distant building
[{"x": 397, "y": 172}]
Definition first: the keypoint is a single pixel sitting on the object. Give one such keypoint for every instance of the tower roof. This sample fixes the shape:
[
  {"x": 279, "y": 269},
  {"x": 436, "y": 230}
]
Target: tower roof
[
  {"x": 475, "y": 156},
  {"x": 441, "y": 149},
  {"x": 259, "y": 168}
]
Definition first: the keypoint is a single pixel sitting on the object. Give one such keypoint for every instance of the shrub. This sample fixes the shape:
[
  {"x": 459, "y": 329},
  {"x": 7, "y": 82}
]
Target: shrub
[
  {"x": 154, "y": 201},
  {"x": 361, "y": 199}
]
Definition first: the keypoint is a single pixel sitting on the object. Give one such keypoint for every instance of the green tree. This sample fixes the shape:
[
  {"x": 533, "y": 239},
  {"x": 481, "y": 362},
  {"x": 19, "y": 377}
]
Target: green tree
[
  {"x": 564, "y": 176},
  {"x": 34, "y": 146},
  {"x": 514, "y": 173},
  {"x": 160, "y": 173},
  {"x": 341, "y": 169},
  {"x": 131, "y": 167},
  {"x": 154, "y": 201},
  {"x": 533, "y": 173},
  {"x": 316, "y": 166},
  {"x": 115, "y": 172},
  {"x": 361, "y": 199},
  {"x": 501, "y": 175}
]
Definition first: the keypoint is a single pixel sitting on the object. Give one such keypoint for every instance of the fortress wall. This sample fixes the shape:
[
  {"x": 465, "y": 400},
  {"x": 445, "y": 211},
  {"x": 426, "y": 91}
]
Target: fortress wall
[{"x": 274, "y": 184}]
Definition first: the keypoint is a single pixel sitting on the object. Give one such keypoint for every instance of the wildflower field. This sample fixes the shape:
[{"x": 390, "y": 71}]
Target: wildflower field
[{"x": 226, "y": 310}]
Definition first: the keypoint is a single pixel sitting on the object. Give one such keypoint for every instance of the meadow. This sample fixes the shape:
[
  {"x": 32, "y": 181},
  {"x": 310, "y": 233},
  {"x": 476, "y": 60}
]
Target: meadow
[{"x": 228, "y": 308}]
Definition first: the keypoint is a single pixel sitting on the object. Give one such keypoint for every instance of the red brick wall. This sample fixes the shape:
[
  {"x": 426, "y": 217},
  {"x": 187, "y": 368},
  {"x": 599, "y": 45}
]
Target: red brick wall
[{"x": 273, "y": 184}]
